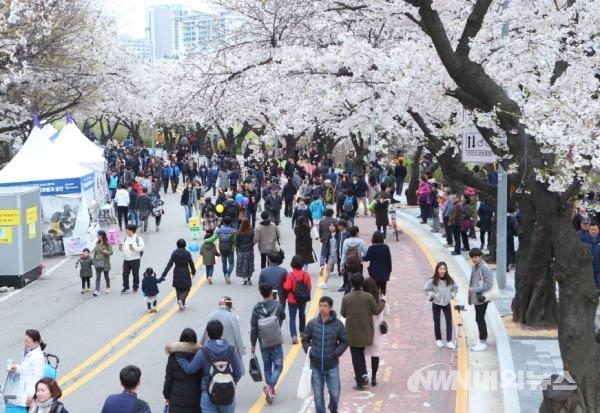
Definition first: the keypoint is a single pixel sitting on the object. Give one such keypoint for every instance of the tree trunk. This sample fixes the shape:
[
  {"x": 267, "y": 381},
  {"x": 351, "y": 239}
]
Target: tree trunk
[
  {"x": 535, "y": 302},
  {"x": 413, "y": 183},
  {"x": 361, "y": 150},
  {"x": 291, "y": 142},
  {"x": 201, "y": 133}
]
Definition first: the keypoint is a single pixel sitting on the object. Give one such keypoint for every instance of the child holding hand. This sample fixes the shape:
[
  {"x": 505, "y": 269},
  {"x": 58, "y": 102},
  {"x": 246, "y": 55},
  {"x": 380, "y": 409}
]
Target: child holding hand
[{"x": 150, "y": 289}]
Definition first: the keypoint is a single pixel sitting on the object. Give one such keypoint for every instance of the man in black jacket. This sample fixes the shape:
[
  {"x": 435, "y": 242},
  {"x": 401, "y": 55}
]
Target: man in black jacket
[{"x": 326, "y": 337}]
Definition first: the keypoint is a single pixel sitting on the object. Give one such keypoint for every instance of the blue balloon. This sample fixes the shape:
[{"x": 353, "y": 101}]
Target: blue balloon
[
  {"x": 239, "y": 197},
  {"x": 193, "y": 247}
]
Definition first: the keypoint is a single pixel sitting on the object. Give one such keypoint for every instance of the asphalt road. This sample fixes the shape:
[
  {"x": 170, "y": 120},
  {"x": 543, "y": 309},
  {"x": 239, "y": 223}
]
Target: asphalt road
[{"x": 96, "y": 336}]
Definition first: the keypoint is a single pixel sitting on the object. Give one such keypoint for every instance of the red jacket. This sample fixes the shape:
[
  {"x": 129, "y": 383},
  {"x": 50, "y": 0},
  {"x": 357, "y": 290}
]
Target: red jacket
[{"x": 289, "y": 284}]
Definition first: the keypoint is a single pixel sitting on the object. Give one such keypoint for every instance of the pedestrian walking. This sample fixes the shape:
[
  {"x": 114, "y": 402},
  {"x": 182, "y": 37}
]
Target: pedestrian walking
[
  {"x": 47, "y": 393},
  {"x": 127, "y": 401},
  {"x": 380, "y": 261},
  {"x": 329, "y": 253},
  {"x": 304, "y": 240},
  {"x": 150, "y": 289},
  {"x": 326, "y": 338},
  {"x": 209, "y": 252},
  {"x": 482, "y": 280},
  {"x": 30, "y": 371},
  {"x": 275, "y": 276},
  {"x": 217, "y": 349},
  {"x": 297, "y": 304},
  {"x": 181, "y": 390},
  {"x": 183, "y": 272},
  {"x": 382, "y": 219},
  {"x": 188, "y": 200},
  {"x": 265, "y": 327},
  {"x": 85, "y": 264},
  {"x": 231, "y": 327},
  {"x": 122, "y": 205},
  {"x": 144, "y": 206},
  {"x": 157, "y": 209},
  {"x": 245, "y": 252},
  {"x": 227, "y": 242},
  {"x": 358, "y": 308},
  {"x": 266, "y": 237},
  {"x": 102, "y": 253},
  {"x": 132, "y": 248},
  {"x": 375, "y": 349},
  {"x": 440, "y": 289}
]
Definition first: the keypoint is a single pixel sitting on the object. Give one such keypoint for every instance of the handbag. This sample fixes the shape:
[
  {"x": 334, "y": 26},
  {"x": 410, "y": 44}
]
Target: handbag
[
  {"x": 254, "y": 369},
  {"x": 99, "y": 264},
  {"x": 383, "y": 327},
  {"x": 305, "y": 386},
  {"x": 466, "y": 224},
  {"x": 493, "y": 292}
]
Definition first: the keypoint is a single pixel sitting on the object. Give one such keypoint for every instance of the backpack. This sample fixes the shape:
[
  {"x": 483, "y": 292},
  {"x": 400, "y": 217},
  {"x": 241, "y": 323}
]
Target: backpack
[
  {"x": 353, "y": 259},
  {"x": 221, "y": 384},
  {"x": 301, "y": 292},
  {"x": 269, "y": 329},
  {"x": 225, "y": 241},
  {"x": 329, "y": 195},
  {"x": 348, "y": 205}
]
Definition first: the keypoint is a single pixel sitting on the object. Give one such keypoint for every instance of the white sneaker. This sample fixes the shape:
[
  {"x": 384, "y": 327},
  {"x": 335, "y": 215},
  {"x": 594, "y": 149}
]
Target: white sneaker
[
  {"x": 439, "y": 343},
  {"x": 323, "y": 286},
  {"x": 450, "y": 345},
  {"x": 481, "y": 346}
]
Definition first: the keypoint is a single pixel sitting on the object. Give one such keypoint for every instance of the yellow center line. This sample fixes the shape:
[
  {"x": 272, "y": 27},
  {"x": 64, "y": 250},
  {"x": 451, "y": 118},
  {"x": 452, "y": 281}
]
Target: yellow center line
[
  {"x": 156, "y": 322},
  {"x": 292, "y": 354}
]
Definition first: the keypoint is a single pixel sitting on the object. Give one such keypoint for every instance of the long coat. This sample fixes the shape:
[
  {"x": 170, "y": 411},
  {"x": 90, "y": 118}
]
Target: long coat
[
  {"x": 358, "y": 307},
  {"x": 304, "y": 243},
  {"x": 182, "y": 390},
  {"x": 182, "y": 259}
]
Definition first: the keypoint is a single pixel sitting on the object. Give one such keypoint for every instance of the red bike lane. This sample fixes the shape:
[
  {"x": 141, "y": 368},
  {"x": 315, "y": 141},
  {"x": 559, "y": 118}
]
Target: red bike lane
[{"x": 409, "y": 345}]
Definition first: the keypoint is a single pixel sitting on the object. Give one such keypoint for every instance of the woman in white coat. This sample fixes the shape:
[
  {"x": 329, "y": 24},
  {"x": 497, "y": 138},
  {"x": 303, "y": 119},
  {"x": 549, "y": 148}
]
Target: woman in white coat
[
  {"x": 375, "y": 349},
  {"x": 30, "y": 371}
]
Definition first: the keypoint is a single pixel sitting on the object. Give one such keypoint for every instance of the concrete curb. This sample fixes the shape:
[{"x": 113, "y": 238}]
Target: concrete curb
[{"x": 510, "y": 395}]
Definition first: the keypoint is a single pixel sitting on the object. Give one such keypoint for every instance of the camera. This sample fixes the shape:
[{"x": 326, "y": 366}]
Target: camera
[{"x": 459, "y": 307}]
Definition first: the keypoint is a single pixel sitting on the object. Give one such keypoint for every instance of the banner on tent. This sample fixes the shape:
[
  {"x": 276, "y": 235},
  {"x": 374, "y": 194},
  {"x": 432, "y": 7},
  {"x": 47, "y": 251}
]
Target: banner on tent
[{"x": 57, "y": 186}]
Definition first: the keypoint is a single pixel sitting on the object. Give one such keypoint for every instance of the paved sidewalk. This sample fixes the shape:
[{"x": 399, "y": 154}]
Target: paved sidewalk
[{"x": 410, "y": 343}]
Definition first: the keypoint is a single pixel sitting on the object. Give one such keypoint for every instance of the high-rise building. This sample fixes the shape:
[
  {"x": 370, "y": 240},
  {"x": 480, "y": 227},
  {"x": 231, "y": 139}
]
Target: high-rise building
[
  {"x": 177, "y": 32},
  {"x": 137, "y": 46}
]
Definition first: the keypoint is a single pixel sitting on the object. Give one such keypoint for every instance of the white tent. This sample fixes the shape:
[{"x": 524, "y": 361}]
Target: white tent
[
  {"x": 73, "y": 145},
  {"x": 66, "y": 187}
]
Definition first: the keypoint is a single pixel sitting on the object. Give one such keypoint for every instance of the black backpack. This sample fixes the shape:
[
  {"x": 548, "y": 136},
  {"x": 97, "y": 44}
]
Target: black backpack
[
  {"x": 230, "y": 210},
  {"x": 301, "y": 292},
  {"x": 221, "y": 384}
]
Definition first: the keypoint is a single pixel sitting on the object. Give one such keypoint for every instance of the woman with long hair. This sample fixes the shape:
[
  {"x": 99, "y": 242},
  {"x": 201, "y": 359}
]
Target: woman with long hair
[
  {"x": 47, "y": 393},
  {"x": 440, "y": 289},
  {"x": 188, "y": 200},
  {"x": 375, "y": 349},
  {"x": 380, "y": 261},
  {"x": 330, "y": 252},
  {"x": 245, "y": 252},
  {"x": 102, "y": 254},
  {"x": 304, "y": 241},
  {"x": 181, "y": 390}
]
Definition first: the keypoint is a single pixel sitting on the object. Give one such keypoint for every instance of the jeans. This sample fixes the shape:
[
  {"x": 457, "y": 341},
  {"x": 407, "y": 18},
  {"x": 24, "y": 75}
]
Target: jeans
[
  {"x": 210, "y": 269},
  {"x": 480, "y": 310},
  {"x": 133, "y": 216},
  {"x": 437, "y": 309},
  {"x": 227, "y": 257},
  {"x": 106, "y": 279},
  {"x": 122, "y": 215},
  {"x": 425, "y": 209},
  {"x": 359, "y": 364},
  {"x": 132, "y": 266},
  {"x": 300, "y": 308},
  {"x": 189, "y": 210},
  {"x": 330, "y": 377},
  {"x": 207, "y": 406},
  {"x": 272, "y": 363},
  {"x": 456, "y": 235}
]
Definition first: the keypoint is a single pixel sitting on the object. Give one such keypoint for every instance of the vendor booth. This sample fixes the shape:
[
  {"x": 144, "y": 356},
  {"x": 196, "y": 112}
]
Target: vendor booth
[{"x": 67, "y": 189}]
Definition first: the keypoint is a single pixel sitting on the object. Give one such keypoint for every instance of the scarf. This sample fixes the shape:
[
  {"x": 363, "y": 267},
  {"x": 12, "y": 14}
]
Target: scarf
[
  {"x": 41, "y": 407},
  {"x": 29, "y": 349}
]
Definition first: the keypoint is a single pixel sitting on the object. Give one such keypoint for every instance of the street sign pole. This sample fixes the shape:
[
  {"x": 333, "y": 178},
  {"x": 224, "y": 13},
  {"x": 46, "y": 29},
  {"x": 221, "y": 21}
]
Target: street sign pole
[{"x": 501, "y": 227}]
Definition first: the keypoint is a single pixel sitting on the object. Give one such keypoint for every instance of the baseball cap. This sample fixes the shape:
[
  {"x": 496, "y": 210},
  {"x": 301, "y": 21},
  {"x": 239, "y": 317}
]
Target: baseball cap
[{"x": 586, "y": 220}]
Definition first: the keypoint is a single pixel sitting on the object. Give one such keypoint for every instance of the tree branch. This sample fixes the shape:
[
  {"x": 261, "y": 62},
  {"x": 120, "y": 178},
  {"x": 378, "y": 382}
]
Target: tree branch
[{"x": 472, "y": 27}]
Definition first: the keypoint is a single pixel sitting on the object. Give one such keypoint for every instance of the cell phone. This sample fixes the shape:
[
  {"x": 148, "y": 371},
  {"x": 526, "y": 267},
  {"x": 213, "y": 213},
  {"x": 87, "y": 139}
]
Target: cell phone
[{"x": 275, "y": 295}]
